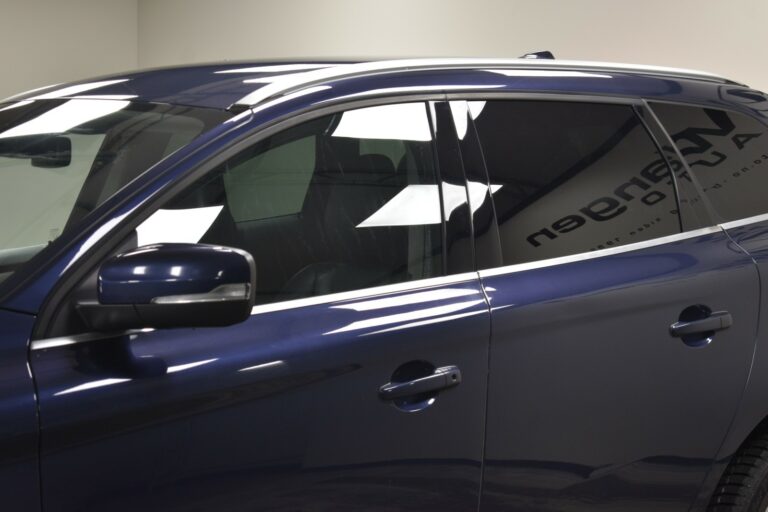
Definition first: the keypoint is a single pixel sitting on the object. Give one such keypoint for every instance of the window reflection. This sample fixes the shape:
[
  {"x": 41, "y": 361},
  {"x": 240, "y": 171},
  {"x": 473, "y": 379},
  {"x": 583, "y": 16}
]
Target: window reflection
[
  {"x": 727, "y": 152},
  {"x": 459, "y": 113},
  {"x": 475, "y": 108},
  {"x": 576, "y": 177},
  {"x": 65, "y": 117},
  {"x": 16, "y": 105},
  {"x": 341, "y": 202},
  {"x": 460, "y": 110},
  {"x": 418, "y": 205},
  {"x": 187, "y": 225},
  {"x": 74, "y": 90},
  {"x": 415, "y": 205},
  {"x": 390, "y": 122}
]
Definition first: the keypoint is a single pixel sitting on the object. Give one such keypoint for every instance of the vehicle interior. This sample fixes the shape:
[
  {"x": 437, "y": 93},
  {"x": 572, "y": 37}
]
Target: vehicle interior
[{"x": 298, "y": 203}]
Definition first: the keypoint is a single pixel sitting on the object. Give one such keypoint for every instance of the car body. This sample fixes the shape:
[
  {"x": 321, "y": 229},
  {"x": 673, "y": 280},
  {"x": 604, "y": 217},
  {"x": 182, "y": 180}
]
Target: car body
[{"x": 447, "y": 284}]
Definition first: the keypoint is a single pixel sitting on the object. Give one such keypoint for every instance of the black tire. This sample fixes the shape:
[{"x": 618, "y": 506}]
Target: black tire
[{"x": 744, "y": 484}]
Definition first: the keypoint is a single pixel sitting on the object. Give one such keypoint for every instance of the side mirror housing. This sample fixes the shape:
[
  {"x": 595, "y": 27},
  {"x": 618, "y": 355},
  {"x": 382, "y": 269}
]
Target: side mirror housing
[{"x": 172, "y": 285}]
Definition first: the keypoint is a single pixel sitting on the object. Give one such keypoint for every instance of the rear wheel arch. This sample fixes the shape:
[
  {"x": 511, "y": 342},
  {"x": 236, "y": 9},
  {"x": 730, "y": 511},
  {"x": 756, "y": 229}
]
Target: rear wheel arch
[{"x": 742, "y": 486}]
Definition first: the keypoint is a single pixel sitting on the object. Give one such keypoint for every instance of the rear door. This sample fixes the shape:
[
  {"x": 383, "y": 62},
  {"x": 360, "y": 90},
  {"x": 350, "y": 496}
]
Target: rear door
[
  {"x": 363, "y": 296},
  {"x": 595, "y": 401},
  {"x": 727, "y": 153}
]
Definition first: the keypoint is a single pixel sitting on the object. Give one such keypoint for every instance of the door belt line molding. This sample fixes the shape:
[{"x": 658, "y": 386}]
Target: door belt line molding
[{"x": 47, "y": 343}]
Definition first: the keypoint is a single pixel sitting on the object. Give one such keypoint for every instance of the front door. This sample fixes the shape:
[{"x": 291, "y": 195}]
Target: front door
[
  {"x": 19, "y": 476},
  {"x": 359, "y": 381}
]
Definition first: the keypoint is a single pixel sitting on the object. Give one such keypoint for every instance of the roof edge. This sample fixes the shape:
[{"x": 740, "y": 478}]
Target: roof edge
[{"x": 298, "y": 81}]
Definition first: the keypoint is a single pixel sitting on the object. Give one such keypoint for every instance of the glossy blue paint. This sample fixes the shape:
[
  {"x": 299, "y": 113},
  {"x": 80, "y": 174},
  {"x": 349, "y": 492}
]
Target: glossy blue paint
[
  {"x": 207, "y": 85},
  {"x": 752, "y": 411},
  {"x": 19, "y": 476},
  {"x": 591, "y": 404},
  {"x": 149, "y": 272},
  {"x": 280, "y": 412},
  {"x": 619, "y": 415},
  {"x": 221, "y": 85}
]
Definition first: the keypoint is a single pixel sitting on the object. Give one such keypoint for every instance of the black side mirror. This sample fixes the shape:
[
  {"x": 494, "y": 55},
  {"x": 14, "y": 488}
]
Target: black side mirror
[{"x": 172, "y": 285}]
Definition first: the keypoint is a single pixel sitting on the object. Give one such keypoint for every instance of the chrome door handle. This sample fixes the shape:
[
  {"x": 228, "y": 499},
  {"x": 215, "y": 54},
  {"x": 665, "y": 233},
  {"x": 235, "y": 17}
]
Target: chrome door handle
[
  {"x": 716, "y": 321},
  {"x": 443, "y": 378}
]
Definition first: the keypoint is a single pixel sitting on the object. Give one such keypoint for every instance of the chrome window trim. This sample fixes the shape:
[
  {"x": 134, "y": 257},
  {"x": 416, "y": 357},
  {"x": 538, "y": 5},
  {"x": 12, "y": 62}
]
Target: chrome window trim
[
  {"x": 745, "y": 221},
  {"x": 365, "y": 292},
  {"x": 583, "y": 256}
]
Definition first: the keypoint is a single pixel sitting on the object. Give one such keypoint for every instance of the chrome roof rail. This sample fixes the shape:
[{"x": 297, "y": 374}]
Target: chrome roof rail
[{"x": 295, "y": 82}]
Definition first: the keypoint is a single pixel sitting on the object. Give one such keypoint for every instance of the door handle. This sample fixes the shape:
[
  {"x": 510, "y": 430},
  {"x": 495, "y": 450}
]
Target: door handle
[
  {"x": 716, "y": 321},
  {"x": 442, "y": 378}
]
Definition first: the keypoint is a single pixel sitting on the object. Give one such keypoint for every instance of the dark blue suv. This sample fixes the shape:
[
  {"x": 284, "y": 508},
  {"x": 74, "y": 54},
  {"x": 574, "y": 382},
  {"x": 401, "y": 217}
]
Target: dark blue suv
[{"x": 428, "y": 285}]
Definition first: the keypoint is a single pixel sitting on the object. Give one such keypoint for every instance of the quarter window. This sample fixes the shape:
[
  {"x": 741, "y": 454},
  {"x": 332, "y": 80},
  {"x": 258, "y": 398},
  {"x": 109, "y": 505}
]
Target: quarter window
[
  {"x": 727, "y": 153},
  {"x": 568, "y": 178},
  {"x": 342, "y": 202}
]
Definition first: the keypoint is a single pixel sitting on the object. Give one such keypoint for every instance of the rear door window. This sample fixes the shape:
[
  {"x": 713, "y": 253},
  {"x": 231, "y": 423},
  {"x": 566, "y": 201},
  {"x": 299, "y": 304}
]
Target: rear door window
[
  {"x": 727, "y": 153},
  {"x": 571, "y": 177}
]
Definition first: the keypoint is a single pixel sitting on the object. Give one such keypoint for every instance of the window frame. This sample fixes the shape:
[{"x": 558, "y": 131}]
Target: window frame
[{"x": 60, "y": 300}]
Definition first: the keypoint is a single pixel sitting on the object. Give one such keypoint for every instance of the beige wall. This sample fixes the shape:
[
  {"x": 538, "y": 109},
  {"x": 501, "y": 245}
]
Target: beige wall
[
  {"x": 728, "y": 37},
  {"x": 50, "y": 41}
]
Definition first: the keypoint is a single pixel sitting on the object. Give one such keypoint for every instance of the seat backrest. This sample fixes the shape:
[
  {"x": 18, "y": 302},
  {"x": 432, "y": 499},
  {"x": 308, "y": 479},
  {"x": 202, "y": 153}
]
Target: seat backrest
[{"x": 345, "y": 255}]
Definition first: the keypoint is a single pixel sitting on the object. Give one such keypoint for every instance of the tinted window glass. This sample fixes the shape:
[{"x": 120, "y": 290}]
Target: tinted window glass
[
  {"x": 343, "y": 202},
  {"x": 727, "y": 153},
  {"x": 282, "y": 172},
  {"x": 61, "y": 158},
  {"x": 572, "y": 177}
]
